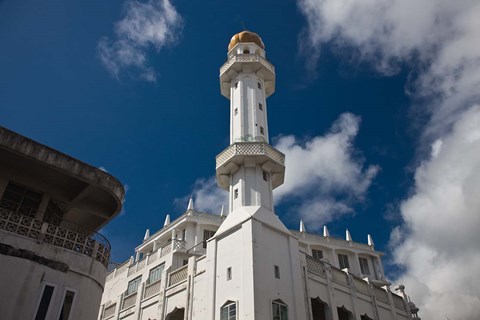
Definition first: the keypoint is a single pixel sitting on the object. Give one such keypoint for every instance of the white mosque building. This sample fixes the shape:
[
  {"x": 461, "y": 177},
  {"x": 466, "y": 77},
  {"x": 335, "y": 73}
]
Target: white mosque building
[{"x": 244, "y": 263}]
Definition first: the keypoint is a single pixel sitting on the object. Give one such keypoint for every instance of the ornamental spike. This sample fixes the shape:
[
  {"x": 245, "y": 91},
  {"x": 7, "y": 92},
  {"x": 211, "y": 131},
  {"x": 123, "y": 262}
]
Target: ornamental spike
[
  {"x": 190, "y": 204},
  {"x": 370, "y": 241},
  {"x": 348, "y": 237},
  {"x": 302, "y": 227},
  {"x": 147, "y": 235},
  {"x": 167, "y": 220},
  {"x": 325, "y": 232}
]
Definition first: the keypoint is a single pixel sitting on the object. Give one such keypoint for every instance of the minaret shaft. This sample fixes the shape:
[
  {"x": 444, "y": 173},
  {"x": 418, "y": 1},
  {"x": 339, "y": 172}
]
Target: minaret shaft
[
  {"x": 249, "y": 168},
  {"x": 248, "y": 109}
]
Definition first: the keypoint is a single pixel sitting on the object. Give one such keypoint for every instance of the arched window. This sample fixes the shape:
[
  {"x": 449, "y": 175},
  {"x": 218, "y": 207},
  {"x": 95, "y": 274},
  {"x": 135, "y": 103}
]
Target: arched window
[
  {"x": 228, "y": 311},
  {"x": 246, "y": 50},
  {"x": 279, "y": 310}
]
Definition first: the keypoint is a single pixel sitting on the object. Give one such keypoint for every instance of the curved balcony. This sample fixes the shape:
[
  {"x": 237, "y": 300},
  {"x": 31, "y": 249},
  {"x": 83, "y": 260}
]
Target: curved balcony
[
  {"x": 234, "y": 156},
  {"x": 60, "y": 233},
  {"x": 247, "y": 63}
]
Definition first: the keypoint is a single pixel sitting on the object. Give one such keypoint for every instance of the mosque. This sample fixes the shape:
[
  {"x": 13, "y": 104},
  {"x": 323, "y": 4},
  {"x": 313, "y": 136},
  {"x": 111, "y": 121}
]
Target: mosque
[{"x": 244, "y": 263}]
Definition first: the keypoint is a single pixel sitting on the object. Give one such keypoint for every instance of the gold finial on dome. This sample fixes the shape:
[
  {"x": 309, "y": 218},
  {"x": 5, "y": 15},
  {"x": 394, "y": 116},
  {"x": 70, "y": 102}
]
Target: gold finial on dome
[{"x": 246, "y": 36}]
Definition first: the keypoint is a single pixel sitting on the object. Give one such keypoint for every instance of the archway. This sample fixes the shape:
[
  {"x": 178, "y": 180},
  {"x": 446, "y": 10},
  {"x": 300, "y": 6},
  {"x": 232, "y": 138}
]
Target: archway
[
  {"x": 176, "y": 314},
  {"x": 344, "y": 314},
  {"x": 319, "y": 309}
]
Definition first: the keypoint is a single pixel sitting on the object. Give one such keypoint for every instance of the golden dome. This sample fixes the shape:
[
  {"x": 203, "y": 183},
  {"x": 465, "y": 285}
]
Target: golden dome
[{"x": 246, "y": 36}]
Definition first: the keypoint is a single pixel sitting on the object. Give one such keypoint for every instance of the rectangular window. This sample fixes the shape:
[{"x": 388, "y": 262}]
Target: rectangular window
[
  {"x": 317, "y": 254},
  {"x": 262, "y": 131},
  {"x": 184, "y": 234},
  {"x": 44, "y": 302},
  {"x": 265, "y": 175},
  {"x": 236, "y": 111},
  {"x": 21, "y": 200},
  {"x": 229, "y": 273},
  {"x": 156, "y": 273},
  {"x": 279, "y": 310},
  {"x": 236, "y": 85},
  {"x": 260, "y": 106},
  {"x": 207, "y": 234},
  {"x": 228, "y": 311},
  {"x": 235, "y": 194},
  {"x": 364, "y": 266},
  {"x": 276, "y": 270},
  {"x": 259, "y": 85},
  {"x": 133, "y": 285},
  {"x": 67, "y": 305},
  {"x": 343, "y": 261}
]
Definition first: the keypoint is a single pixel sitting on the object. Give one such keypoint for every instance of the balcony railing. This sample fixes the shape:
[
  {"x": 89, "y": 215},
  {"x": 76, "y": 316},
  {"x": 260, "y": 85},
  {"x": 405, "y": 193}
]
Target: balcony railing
[
  {"x": 249, "y": 149},
  {"x": 91, "y": 244},
  {"x": 152, "y": 289},
  {"x": 178, "y": 275},
  {"x": 129, "y": 301},
  {"x": 247, "y": 58},
  {"x": 324, "y": 269},
  {"x": 109, "y": 311}
]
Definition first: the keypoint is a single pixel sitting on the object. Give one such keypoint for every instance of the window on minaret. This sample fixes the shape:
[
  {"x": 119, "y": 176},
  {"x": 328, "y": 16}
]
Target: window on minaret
[
  {"x": 265, "y": 175},
  {"x": 260, "y": 106},
  {"x": 259, "y": 85},
  {"x": 279, "y": 310},
  {"x": 276, "y": 270},
  {"x": 236, "y": 85},
  {"x": 236, "y": 111},
  {"x": 364, "y": 266},
  {"x": 317, "y": 254},
  {"x": 262, "y": 131},
  {"x": 235, "y": 194},
  {"x": 229, "y": 273},
  {"x": 228, "y": 311},
  {"x": 343, "y": 261}
]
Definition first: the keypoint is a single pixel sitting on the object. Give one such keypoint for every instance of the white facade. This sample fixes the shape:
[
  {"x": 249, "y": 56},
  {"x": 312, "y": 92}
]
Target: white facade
[
  {"x": 53, "y": 264},
  {"x": 253, "y": 267}
]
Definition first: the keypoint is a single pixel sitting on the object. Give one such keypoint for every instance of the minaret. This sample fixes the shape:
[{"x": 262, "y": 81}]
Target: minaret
[
  {"x": 250, "y": 168},
  {"x": 253, "y": 259}
]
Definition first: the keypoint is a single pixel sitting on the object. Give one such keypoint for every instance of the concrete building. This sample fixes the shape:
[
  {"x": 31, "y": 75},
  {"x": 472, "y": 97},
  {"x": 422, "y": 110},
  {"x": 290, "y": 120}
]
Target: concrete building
[
  {"x": 245, "y": 264},
  {"x": 53, "y": 264}
]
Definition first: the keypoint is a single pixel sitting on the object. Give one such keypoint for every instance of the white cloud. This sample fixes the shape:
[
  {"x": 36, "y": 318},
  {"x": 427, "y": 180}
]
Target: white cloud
[
  {"x": 325, "y": 163},
  {"x": 442, "y": 218},
  {"x": 207, "y": 196},
  {"x": 153, "y": 24},
  {"x": 439, "y": 41},
  {"x": 323, "y": 174}
]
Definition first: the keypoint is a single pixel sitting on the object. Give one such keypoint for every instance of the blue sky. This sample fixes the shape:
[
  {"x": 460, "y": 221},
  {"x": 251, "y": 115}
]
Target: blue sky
[{"x": 380, "y": 95}]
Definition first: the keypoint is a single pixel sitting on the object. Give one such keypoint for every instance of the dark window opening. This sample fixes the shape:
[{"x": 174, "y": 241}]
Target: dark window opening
[
  {"x": 229, "y": 273},
  {"x": 21, "y": 200},
  {"x": 235, "y": 194},
  {"x": 343, "y": 261},
  {"x": 44, "y": 303},
  {"x": 207, "y": 234},
  {"x": 246, "y": 51},
  {"x": 265, "y": 175},
  {"x": 259, "y": 85},
  {"x": 262, "y": 131},
  {"x": 317, "y": 254},
  {"x": 260, "y": 106},
  {"x": 67, "y": 305},
  {"x": 276, "y": 270}
]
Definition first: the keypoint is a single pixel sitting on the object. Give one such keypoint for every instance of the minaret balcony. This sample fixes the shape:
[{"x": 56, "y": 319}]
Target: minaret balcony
[
  {"x": 230, "y": 160},
  {"x": 247, "y": 63}
]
